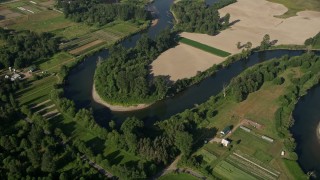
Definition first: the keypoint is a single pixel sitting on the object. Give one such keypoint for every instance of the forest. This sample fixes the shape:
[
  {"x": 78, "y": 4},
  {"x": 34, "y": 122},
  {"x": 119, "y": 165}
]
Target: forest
[
  {"x": 23, "y": 48},
  {"x": 196, "y": 16},
  {"x": 30, "y": 147},
  {"x": 124, "y": 78},
  {"x": 97, "y": 12}
]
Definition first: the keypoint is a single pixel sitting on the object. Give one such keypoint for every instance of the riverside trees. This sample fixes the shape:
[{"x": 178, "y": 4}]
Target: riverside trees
[
  {"x": 124, "y": 78},
  {"x": 195, "y": 16}
]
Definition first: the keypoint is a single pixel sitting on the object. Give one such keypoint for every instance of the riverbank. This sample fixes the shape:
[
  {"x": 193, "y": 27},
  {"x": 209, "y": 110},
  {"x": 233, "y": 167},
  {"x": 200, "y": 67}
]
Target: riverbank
[
  {"x": 318, "y": 131},
  {"x": 119, "y": 108}
]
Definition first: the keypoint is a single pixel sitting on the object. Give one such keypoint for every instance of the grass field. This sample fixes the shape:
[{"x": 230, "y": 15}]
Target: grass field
[
  {"x": 56, "y": 62},
  {"x": 229, "y": 171},
  {"x": 294, "y": 169},
  {"x": 204, "y": 47},
  {"x": 178, "y": 176},
  {"x": 295, "y": 6}
]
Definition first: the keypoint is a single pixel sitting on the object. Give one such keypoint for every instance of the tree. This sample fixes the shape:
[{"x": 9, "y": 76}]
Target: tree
[
  {"x": 248, "y": 45},
  {"x": 226, "y": 20},
  {"x": 265, "y": 43},
  {"x": 239, "y": 45},
  {"x": 183, "y": 142},
  {"x": 48, "y": 163}
]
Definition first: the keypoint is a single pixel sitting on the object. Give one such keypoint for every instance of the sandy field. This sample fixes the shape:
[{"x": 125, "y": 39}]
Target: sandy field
[
  {"x": 253, "y": 19},
  {"x": 98, "y": 99},
  {"x": 183, "y": 61},
  {"x": 256, "y": 18}
]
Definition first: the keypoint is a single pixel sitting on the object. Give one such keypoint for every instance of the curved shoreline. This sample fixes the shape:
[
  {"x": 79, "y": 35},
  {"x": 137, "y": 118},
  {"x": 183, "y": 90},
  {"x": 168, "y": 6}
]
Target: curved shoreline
[{"x": 98, "y": 99}]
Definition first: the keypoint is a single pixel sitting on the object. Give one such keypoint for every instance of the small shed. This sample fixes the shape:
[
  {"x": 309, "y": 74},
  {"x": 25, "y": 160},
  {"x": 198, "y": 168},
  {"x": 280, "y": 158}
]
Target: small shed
[
  {"x": 226, "y": 130},
  {"x": 225, "y": 142}
]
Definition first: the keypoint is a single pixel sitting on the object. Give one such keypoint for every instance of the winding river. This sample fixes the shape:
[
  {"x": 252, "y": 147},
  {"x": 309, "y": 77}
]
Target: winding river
[{"x": 80, "y": 83}]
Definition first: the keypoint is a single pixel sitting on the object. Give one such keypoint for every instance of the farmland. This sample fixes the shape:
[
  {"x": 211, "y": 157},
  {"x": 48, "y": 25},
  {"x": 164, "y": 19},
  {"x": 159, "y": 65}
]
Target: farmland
[{"x": 78, "y": 38}]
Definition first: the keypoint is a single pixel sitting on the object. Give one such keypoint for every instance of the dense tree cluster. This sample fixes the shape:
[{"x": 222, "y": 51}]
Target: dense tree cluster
[
  {"x": 124, "y": 78},
  {"x": 196, "y": 16},
  {"x": 24, "y": 47},
  {"x": 30, "y": 147},
  {"x": 98, "y": 12},
  {"x": 314, "y": 42}
]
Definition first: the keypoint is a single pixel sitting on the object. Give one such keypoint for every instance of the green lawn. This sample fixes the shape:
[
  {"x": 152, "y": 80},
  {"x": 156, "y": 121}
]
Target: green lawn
[
  {"x": 178, "y": 176},
  {"x": 204, "y": 47},
  {"x": 295, "y": 6},
  {"x": 294, "y": 169}
]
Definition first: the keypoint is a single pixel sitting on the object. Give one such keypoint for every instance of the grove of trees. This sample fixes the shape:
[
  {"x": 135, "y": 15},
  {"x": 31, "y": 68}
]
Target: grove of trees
[
  {"x": 196, "y": 16},
  {"x": 23, "y": 48},
  {"x": 98, "y": 12}
]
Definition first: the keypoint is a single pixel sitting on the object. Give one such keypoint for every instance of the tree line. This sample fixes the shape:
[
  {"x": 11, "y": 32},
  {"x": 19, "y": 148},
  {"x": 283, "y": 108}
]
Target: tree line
[
  {"x": 98, "y": 12},
  {"x": 23, "y": 48},
  {"x": 196, "y": 16},
  {"x": 124, "y": 78}
]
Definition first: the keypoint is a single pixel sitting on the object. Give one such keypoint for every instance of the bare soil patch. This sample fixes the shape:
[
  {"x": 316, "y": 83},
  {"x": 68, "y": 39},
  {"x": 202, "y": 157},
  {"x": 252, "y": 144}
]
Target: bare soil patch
[{"x": 183, "y": 61}]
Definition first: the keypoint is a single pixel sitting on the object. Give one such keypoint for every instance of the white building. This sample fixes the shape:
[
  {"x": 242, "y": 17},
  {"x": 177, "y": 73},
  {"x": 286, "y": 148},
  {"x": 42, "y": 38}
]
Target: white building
[{"x": 225, "y": 142}]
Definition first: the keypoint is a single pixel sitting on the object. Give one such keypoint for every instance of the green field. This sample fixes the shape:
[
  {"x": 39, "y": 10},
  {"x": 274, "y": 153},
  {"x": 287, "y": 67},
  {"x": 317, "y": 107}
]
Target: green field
[
  {"x": 229, "y": 171},
  {"x": 204, "y": 47},
  {"x": 177, "y": 176},
  {"x": 295, "y": 6},
  {"x": 54, "y": 64}
]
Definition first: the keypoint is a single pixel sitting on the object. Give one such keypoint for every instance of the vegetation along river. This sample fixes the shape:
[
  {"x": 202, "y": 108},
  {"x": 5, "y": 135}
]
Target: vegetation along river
[{"x": 306, "y": 114}]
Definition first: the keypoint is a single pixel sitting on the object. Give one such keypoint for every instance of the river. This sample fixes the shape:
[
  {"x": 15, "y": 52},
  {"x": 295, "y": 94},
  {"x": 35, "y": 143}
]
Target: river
[
  {"x": 80, "y": 83},
  {"x": 306, "y": 130}
]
